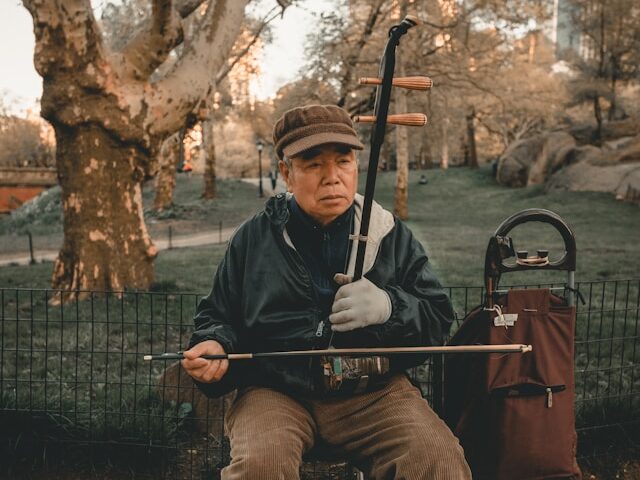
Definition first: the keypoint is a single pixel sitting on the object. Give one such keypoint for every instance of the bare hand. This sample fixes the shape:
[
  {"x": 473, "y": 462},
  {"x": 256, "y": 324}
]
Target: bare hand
[{"x": 203, "y": 370}]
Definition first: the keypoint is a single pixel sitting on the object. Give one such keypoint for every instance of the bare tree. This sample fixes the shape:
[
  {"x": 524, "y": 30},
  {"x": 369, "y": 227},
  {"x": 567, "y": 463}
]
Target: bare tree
[{"x": 110, "y": 115}]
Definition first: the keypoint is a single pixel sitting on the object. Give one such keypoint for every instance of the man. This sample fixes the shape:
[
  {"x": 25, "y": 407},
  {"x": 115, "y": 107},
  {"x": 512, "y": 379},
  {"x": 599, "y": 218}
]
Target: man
[{"x": 284, "y": 284}]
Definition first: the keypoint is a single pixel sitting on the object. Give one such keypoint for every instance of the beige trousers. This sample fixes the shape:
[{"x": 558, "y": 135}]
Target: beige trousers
[{"x": 388, "y": 434}]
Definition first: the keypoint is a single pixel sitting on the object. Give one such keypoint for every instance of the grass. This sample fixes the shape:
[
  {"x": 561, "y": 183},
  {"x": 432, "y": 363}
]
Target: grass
[
  {"x": 81, "y": 362},
  {"x": 189, "y": 213}
]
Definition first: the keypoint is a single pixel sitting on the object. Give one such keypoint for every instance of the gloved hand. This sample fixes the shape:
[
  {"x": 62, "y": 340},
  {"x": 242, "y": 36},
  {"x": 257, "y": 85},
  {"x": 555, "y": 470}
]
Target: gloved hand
[{"x": 358, "y": 304}]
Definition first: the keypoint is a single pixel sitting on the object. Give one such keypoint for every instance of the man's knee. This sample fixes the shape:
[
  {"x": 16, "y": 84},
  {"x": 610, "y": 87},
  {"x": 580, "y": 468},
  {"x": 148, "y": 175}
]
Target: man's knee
[
  {"x": 443, "y": 459},
  {"x": 266, "y": 460}
]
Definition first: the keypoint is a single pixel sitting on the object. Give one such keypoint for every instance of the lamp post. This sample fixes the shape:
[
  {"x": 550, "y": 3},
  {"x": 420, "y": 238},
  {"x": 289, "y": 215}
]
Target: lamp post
[{"x": 260, "y": 146}]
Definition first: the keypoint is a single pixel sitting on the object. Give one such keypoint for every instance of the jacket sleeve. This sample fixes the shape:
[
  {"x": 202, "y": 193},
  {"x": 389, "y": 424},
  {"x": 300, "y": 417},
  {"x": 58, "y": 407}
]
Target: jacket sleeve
[
  {"x": 215, "y": 315},
  {"x": 422, "y": 313}
]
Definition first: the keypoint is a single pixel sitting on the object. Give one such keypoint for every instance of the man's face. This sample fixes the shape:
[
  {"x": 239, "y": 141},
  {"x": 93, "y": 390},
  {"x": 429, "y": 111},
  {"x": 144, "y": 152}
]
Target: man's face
[{"x": 323, "y": 180}]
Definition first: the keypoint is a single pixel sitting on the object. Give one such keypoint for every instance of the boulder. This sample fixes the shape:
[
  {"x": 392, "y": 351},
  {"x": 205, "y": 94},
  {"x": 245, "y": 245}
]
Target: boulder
[
  {"x": 530, "y": 161},
  {"x": 555, "y": 148},
  {"x": 585, "y": 176},
  {"x": 516, "y": 161},
  {"x": 629, "y": 153},
  {"x": 585, "y": 134},
  {"x": 176, "y": 385}
]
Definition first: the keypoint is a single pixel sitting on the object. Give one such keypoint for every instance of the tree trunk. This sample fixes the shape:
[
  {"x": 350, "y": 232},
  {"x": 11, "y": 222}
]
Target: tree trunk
[
  {"x": 165, "y": 182},
  {"x": 401, "y": 197},
  {"x": 471, "y": 139},
  {"x": 110, "y": 111},
  {"x": 106, "y": 244},
  {"x": 613, "y": 107},
  {"x": 444, "y": 161},
  {"x": 597, "y": 111},
  {"x": 209, "y": 160}
]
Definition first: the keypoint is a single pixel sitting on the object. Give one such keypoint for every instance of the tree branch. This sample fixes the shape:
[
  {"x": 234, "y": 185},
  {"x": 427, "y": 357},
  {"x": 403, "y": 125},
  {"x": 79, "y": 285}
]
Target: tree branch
[
  {"x": 176, "y": 94},
  {"x": 351, "y": 60},
  {"x": 267, "y": 19},
  {"x": 152, "y": 43},
  {"x": 67, "y": 37}
]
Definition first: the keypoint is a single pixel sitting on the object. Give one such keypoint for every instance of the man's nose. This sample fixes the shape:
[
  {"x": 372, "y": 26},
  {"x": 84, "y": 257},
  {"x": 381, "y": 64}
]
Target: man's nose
[{"x": 330, "y": 173}]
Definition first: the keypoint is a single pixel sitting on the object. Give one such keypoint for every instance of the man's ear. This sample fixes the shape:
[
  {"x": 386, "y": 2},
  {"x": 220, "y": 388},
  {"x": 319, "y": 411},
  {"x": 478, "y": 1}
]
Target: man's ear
[{"x": 285, "y": 171}]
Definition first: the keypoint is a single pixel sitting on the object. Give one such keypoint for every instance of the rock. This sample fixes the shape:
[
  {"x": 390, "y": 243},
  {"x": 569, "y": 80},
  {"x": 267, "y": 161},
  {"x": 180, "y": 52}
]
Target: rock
[
  {"x": 516, "y": 161},
  {"x": 629, "y": 153},
  {"x": 530, "y": 161},
  {"x": 584, "y": 153},
  {"x": 552, "y": 156},
  {"x": 175, "y": 385},
  {"x": 610, "y": 130},
  {"x": 585, "y": 176},
  {"x": 629, "y": 188}
]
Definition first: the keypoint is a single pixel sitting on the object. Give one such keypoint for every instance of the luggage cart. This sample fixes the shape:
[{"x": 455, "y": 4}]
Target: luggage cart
[{"x": 514, "y": 415}]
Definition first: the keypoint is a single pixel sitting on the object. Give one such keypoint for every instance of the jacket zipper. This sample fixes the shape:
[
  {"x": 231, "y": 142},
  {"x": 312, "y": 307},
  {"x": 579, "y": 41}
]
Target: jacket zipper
[{"x": 299, "y": 264}]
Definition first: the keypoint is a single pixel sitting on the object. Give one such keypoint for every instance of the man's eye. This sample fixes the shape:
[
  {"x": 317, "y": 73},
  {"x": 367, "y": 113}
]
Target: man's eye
[{"x": 313, "y": 165}]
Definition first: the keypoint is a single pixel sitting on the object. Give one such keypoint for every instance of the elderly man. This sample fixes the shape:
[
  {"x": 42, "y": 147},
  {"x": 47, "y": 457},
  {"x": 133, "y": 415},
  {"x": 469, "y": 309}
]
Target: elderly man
[{"x": 284, "y": 284}]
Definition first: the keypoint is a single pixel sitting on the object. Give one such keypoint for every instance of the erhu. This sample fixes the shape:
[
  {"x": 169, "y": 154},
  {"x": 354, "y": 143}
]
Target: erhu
[{"x": 332, "y": 356}]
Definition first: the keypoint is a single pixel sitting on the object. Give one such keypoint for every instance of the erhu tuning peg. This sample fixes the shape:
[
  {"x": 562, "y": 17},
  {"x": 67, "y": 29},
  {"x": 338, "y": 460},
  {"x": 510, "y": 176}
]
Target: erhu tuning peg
[
  {"x": 407, "y": 119},
  {"x": 411, "y": 83}
]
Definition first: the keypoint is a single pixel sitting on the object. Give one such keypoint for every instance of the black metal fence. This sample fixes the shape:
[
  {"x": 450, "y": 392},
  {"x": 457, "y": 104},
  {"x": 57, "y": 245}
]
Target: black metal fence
[{"x": 74, "y": 388}]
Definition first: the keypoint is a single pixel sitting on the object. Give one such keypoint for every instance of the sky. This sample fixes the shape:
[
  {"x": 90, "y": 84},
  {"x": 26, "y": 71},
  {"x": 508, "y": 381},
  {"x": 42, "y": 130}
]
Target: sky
[{"x": 21, "y": 86}]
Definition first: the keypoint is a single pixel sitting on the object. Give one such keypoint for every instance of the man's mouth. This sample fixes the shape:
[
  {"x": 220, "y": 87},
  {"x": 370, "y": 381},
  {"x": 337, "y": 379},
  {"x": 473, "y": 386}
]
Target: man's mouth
[{"x": 332, "y": 197}]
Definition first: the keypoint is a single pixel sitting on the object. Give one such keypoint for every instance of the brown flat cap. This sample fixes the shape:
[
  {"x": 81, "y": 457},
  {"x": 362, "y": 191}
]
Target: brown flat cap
[{"x": 302, "y": 128}]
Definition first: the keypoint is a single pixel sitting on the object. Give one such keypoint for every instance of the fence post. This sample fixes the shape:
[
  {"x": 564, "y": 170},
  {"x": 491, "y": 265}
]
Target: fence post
[
  {"x": 32, "y": 258},
  {"x": 220, "y": 231},
  {"x": 170, "y": 237},
  {"x": 437, "y": 380}
]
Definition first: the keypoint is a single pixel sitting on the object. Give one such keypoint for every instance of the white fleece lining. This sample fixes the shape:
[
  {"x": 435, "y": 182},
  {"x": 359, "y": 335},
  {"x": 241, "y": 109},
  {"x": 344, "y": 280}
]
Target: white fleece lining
[{"x": 381, "y": 223}]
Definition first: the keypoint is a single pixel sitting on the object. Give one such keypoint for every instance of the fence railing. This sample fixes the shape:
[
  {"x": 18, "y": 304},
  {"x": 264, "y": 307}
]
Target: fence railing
[{"x": 73, "y": 374}]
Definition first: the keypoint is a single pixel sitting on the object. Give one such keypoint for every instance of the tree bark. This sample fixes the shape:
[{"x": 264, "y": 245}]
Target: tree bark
[
  {"x": 597, "y": 111},
  {"x": 110, "y": 116},
  {"x": 165, "y": 181},
  {"x": 444, "y": 155},
  {"x": 209, "y": 160},
  {"x": 401, "y": 197},
  {"x": 106, "y": 244},
  {"x": 471, "y": 139}
]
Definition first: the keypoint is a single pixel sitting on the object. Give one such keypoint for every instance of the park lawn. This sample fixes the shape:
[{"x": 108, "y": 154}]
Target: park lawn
[
  {"x": 453, "y": 216},
  {"x": 189, "y": 213}
]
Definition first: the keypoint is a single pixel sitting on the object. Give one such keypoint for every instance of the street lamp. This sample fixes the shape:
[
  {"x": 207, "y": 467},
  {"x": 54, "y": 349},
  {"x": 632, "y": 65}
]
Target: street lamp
[{"x": 260, "y": 146}]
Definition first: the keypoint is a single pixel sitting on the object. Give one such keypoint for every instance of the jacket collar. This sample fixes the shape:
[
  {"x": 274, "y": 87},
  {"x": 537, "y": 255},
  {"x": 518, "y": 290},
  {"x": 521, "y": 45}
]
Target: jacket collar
[{"x": 382, "y": 222}]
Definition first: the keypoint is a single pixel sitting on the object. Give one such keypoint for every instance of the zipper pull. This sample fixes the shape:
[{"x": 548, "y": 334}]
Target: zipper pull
[
  {"x": 320, "y": 329},
  {"x": 549, "y": 398}
]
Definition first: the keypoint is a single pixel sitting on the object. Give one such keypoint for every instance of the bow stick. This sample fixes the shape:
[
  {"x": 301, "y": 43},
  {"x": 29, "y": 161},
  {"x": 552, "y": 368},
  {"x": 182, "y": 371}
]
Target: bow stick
[
  {"x": 379, "y": 119},
  {"x": 354, "y": 352}
]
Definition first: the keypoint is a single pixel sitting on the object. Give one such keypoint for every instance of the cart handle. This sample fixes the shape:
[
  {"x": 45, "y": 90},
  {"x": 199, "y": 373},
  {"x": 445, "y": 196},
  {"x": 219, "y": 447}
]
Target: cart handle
[{"x": 500, "y": 246}]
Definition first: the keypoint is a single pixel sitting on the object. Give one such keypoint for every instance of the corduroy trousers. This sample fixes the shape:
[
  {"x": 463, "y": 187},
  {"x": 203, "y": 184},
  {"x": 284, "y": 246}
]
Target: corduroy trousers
[{"x": 389, "y": 434}]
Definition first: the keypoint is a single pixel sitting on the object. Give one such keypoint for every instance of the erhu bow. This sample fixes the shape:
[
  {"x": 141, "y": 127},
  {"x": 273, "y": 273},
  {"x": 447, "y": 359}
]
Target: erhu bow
[{"x": 380, "y": 118}]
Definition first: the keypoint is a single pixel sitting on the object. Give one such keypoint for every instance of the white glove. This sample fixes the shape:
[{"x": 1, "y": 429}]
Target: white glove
[{"x": 358, "y": 304}]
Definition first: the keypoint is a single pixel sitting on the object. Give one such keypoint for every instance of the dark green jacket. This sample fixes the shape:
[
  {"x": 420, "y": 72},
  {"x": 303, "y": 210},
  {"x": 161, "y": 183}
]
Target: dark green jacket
[{"x": 263, "y": 299}]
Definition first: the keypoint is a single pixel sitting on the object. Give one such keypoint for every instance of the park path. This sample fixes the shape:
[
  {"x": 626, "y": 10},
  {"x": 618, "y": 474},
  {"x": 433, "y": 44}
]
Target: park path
[{"x": 210, "y": 237}]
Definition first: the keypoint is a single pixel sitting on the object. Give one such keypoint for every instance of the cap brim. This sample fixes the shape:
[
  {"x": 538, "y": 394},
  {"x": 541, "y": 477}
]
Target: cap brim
[{"x": 299, "y": 146}]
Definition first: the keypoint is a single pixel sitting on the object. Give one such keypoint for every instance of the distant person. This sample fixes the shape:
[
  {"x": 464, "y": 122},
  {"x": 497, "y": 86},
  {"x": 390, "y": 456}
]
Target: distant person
[
  {"x": 423, "y": 179},
  {"x": 285, "y": 284},
  {"x": 274, "y": 179}
]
